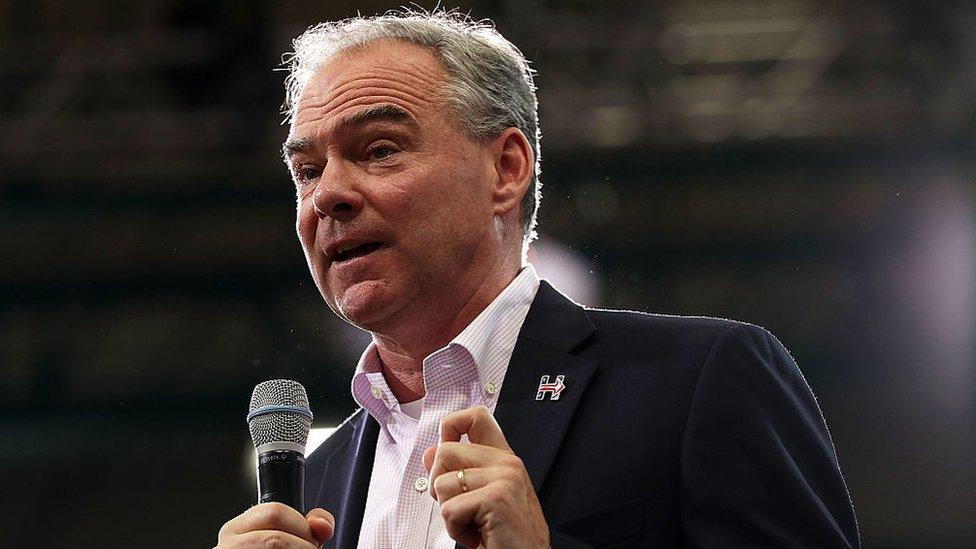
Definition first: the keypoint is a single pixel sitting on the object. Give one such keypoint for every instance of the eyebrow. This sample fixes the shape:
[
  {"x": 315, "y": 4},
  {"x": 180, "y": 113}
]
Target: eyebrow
[
  {"x": 381, "y": 113},
  {"x": 292, "y": 146}
]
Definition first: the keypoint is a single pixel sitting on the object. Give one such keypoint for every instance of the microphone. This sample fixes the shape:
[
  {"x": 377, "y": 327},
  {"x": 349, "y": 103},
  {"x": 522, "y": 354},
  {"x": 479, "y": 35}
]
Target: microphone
[{"x": 279, "y": 420}]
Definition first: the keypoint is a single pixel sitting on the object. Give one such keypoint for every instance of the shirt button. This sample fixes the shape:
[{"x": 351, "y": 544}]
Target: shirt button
[
  {"x": 377, "y": 392},
  {"x": 490, "y": 388},
  {"x": 421, "y": 484}
]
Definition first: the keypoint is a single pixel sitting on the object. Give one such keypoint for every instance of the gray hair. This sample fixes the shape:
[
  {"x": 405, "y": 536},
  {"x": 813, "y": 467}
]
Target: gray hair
[{"x": 491, "y": 86}]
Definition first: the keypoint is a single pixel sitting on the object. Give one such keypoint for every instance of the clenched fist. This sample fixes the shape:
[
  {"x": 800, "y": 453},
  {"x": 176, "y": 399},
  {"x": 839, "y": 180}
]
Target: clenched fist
[
  {"x": 485, "y": 493},
  {"x": 276, "y": 525}
]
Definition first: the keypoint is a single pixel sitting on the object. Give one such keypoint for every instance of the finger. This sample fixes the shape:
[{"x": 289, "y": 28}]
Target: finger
[
  {"x": 429, "y": 454},
  {"x": 455, "y": 455},
  {"x": 449, "y": 484},
  {"x": 260, "y": 539},
  {"x": 322, "y": 524},
  {"x": 269, "y": 516},
  {"x": 452, "y": 456},
  {"x": 460, "y": 513},
  {"x": 476, "y": 422}
]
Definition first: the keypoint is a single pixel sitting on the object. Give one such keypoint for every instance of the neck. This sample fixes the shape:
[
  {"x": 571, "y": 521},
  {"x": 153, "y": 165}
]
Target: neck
[{"x": 402, "y": 353}]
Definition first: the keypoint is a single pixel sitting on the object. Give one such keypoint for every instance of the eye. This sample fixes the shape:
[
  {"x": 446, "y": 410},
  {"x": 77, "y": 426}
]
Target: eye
[
  {"x": 381, "y": 151},
  {"x": 305, "y": 174}
]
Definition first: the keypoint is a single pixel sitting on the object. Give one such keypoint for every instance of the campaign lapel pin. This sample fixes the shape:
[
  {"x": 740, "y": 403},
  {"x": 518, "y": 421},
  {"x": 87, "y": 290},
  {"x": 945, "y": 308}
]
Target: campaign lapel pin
[{"x": 552, "y": 389}]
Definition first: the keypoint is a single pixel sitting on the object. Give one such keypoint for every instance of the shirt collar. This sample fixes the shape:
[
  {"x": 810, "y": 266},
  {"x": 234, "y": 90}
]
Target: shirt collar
[
  {"x": 491, "y": 336},
  {"x": 489, "y": 341}
]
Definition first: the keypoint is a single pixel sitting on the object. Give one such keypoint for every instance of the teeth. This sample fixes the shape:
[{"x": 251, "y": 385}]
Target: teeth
[{"x": 345, "y": 248}]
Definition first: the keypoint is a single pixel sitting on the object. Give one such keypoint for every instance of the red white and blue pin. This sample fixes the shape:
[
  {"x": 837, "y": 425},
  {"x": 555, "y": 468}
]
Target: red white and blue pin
[{"x": 552, "y": 389}]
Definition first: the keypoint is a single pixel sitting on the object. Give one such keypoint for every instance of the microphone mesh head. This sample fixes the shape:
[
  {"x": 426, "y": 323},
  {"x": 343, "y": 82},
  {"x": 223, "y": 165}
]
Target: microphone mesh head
[{"x": 279, "y": 426}]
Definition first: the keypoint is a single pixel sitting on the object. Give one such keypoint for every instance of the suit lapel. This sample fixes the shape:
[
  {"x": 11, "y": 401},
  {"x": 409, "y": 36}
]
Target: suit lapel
[
  {"x": 553, "y": 329},
  {"x": 347, "y": 475}
]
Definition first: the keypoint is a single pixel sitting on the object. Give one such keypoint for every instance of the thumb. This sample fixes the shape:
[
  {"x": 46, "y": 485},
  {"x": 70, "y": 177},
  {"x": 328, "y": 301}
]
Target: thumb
[
  {"x": 429, "y": 454},
  {"x": 322, "y": 524},
  {"x": 476, "y": 422}
]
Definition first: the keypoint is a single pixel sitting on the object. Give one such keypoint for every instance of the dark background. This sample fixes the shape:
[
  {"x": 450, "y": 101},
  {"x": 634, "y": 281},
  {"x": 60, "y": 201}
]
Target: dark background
[{"x": 807, "y": 166}]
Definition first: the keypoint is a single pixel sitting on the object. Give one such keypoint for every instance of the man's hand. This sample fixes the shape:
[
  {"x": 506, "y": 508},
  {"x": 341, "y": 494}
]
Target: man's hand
[
  {"x": 277, "y": 525},
  {"x": 499, "y": 507}
]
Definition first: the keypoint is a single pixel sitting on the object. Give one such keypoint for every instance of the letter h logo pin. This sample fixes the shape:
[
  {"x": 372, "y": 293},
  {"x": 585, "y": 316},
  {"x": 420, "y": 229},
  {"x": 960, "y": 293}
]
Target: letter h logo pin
[{"x": 552, "y": 389}]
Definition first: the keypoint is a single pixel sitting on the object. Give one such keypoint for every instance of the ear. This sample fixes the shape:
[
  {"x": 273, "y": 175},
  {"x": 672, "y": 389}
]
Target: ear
[{"x": 514, "y": 167}]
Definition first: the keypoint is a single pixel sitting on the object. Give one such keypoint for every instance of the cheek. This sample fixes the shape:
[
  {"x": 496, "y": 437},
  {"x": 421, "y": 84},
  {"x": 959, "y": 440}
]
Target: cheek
[
  {"x": 306, "y": 227},
  {"x": 466, "y": 205},
  {"x": 305, "y": 223},
  {"x": 408, "y": 204},
  {"x": 454, "y": 194},
  {"x": 400, "y": 200}
]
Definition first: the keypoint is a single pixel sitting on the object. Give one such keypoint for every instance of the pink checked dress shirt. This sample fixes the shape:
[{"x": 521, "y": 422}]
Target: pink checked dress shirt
[{"x": 468, "y": 371}]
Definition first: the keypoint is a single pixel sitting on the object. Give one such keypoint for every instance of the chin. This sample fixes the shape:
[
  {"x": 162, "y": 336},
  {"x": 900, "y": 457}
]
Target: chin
[{"x": 367, "y": 304}]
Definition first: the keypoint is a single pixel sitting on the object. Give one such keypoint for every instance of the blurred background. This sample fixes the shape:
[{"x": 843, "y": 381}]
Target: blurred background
[{"x": 806, "y": 166}]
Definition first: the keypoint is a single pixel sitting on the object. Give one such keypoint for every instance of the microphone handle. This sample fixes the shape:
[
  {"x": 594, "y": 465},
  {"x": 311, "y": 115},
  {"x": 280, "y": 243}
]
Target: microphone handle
[{"x": 281, "y": 478}]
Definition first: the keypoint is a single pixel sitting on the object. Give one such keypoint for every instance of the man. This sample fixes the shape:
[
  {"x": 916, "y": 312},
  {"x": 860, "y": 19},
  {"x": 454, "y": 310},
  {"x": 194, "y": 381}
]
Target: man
[{"x": 495, "y": 411}]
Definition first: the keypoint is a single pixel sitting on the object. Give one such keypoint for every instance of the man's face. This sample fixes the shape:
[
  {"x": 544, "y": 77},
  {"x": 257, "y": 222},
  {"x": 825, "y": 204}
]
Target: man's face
[{"x": 394, "y": 201}]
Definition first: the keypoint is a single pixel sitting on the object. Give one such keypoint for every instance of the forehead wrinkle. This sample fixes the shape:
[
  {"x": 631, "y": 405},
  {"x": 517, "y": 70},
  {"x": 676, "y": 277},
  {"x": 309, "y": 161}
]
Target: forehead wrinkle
[
  {"x": 331, "y": 103},
  {"x": 332, "y": 115},
  {"x": 350, "y": 97},
  {"x": 414, "y": 79},
  {"x": 410, "y": 86},
  {"x": 387, "y": 112},
  {"x": 391, "y": 78},
  {"x": 395, "y": 57},
  {"x": 371, "y": 84},
  {"x": 430, "y": 79}
]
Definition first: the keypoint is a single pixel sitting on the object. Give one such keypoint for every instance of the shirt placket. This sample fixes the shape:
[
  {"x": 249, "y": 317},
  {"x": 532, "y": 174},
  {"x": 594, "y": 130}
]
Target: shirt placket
[
  {"x": 448, "y": 379},
  {"x": 416, "y": 504}
]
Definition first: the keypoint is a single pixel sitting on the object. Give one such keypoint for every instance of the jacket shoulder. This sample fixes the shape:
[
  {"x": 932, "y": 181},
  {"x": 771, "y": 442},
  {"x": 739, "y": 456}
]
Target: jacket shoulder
[
  {"x": 628, "y": 316},
  {"x": 318, "y": 458},
  {"x": 665, "y": 332}
]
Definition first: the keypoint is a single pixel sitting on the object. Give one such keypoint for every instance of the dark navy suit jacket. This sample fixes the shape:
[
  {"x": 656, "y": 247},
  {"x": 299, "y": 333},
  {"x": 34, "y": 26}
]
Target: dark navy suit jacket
[{"x": 671, "y": 432}]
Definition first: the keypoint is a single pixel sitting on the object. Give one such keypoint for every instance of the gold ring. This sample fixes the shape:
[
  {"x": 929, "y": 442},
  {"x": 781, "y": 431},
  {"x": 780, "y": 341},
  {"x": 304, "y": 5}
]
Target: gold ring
[{"x": 462, "y": 481}]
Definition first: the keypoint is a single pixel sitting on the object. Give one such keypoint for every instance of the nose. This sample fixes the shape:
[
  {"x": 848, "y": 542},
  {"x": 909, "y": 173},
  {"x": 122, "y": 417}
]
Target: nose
[{"x": 335, "y": 197}]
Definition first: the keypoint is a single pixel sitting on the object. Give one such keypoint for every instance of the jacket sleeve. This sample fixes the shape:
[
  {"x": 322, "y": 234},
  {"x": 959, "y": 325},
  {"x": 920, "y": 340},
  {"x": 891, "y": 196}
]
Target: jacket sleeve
[{"x": 758, "y": 465}]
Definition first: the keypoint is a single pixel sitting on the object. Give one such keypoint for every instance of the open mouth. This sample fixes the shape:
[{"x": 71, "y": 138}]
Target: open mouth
[{"x": 357, "y": 251}]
